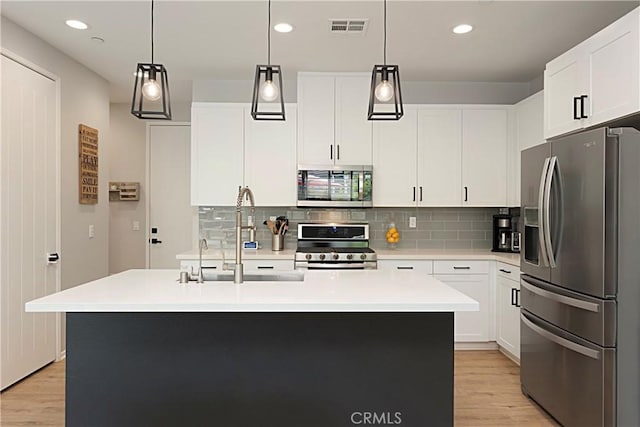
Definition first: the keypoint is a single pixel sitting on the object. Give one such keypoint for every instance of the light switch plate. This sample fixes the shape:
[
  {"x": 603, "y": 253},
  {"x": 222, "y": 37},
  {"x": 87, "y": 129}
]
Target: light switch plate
[
  {"x": 412, "y": 222},
  {"x": 92, "y": 232}
]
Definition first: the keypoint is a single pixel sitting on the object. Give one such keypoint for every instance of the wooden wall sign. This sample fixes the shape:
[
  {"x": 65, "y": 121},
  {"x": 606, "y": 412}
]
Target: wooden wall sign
[{"x": 88, "y": 155}]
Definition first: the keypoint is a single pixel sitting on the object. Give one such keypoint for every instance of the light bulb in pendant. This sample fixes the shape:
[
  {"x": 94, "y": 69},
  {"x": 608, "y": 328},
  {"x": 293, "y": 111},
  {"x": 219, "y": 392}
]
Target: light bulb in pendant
[
  {"x": 269, "y": 91},
  {"x": 384, "y": 91},
  {"x": 151, "y": 90}
]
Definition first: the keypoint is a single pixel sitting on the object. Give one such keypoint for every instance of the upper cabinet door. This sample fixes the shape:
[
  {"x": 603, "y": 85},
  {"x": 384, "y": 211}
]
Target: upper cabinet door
[
  {"x": 270, "y": 159},
  {"x": 394, "y": 160},
  {"x": 217, "y": 146},
  {"x": 316, "y": 109},
  {"x": 484, "y": 157},
  {"x": 613, "y": 61},
  {"x": 565, "y": 81},
  {"x": 353, "y": 144},
  {"x": 439, "y": 157}
]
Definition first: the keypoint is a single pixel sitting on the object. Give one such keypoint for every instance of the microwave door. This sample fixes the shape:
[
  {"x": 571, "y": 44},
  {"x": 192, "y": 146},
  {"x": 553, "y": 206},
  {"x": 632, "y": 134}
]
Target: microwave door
[{"x": 534, "y": 171}]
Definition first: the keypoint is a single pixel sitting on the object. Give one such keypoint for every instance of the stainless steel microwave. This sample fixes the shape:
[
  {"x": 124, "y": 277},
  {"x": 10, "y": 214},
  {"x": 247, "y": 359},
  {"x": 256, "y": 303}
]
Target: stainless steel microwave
[{"x": 335, "y": 186}]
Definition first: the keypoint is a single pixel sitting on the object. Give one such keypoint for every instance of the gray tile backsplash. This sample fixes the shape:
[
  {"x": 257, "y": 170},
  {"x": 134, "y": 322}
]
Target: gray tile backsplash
[{"x": 437, "y": 228}]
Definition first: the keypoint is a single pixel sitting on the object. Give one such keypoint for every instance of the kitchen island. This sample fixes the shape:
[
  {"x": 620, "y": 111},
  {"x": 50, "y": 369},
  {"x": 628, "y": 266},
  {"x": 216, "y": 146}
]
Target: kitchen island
[{"x": 339, "y": 348}]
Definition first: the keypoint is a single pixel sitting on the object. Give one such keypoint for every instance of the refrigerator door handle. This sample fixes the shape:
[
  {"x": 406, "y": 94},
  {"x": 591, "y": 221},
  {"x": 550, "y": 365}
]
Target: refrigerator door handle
[
  {"x": 569, "y": 345},
  {"x": 541, "y": 227},
  {"x": 547, "y": 208},
  {"x": 562, "y": 299}
]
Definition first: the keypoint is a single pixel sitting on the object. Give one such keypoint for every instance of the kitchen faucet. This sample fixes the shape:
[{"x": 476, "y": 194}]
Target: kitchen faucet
[{"x": 243, "y": 193}]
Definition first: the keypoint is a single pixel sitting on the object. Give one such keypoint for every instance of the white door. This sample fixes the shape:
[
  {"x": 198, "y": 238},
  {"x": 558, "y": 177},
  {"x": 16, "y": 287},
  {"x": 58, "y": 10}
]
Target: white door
[
  {"x": 484, "y": 157},
  {"x": 316, "y": 109},
  {"x": 29, "y": 219},
  {"x": 171, "y": 215},
  {"x": 395, "y": 144},
  {"x": 470, "y": 326},
  {"x": 353, "y": 129},
  {"x": 439, "y": 157},
  {"x": 270, "y": 159}
]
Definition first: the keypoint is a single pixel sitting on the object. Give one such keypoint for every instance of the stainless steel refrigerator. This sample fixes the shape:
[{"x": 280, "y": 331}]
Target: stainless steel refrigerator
[{"x": 580, "y": 288}]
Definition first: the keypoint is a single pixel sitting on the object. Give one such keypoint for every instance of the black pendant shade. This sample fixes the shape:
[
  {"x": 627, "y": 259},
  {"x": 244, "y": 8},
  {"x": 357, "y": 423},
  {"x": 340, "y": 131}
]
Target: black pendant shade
[
  {"x": 267, "y": 102},
  {"x": 151, "y": 98},
  {"x": 385, "y": 97}
]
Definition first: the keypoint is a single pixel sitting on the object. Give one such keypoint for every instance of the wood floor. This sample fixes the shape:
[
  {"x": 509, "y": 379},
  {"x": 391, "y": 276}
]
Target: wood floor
[{"x": 487, "y": 393}]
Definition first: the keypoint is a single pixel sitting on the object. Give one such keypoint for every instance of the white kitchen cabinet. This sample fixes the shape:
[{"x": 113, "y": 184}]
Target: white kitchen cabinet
[
  {"x": 596, "y": 81},
  {"x": 484, "y": 156},
  {"x": 270, "y": 159},
  {"x": 217, "y": 146},
  {"x": 395, "y": 144},
  {"x": 332, "y": 119},
  {"x": 508, "y": 308},
  {"x": 421, "y": 266},
  {"x": 439, "y": 157},
  {"x": 230, "y": 149},
  {"x": 529, "y": 132},
  {"x": 471, "y": 277}
]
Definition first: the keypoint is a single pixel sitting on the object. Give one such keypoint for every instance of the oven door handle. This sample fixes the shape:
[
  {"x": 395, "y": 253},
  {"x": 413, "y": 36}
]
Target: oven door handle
[
  {"x": 340, "y": 266},
  {"x": 569, "y": 345}
]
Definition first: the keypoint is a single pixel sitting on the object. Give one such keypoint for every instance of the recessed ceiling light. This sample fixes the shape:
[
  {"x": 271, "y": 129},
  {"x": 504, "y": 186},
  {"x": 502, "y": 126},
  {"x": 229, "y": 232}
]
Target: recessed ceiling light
[
  {"x": 78, "y": 25},
  {"x": 283, "y": 27},
  {"x": 462, "y": 29}
]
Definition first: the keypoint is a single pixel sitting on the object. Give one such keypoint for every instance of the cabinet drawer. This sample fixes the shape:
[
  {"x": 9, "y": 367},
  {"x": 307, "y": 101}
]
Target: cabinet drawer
[
  {"x": 190, "y": 265},
  {"x": 425, "y": 267},
  {"x": 461, "y": 267},
  {"x": 256, "y": 264},
  {"x": 508, "y": 271}
]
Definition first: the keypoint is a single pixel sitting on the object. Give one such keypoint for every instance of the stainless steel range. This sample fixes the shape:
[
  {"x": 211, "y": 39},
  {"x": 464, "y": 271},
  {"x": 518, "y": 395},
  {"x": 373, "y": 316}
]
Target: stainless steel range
[{"x": 334, "y": 246}]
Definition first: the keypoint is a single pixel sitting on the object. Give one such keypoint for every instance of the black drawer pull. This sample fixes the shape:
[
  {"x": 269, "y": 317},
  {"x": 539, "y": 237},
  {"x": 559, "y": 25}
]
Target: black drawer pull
[
  {"x": 404, "y": 267},
  {"x": 265, "y": 267},
  {"x": 505, "y": 271},
  {"x": 461, "y": 268}
]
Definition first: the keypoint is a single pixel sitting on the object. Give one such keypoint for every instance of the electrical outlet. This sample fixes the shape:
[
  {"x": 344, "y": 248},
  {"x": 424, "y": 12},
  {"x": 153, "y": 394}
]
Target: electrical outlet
[
  {"x": 92, "y": 232},
  {"x": 135, "y": 226},
  {"x": 412, "y": 222}
]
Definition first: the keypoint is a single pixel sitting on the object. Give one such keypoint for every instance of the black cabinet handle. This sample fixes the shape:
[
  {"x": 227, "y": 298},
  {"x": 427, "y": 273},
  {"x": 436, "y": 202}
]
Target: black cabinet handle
[
  {"x": 575, "y": 107},
  {"x": 53, "y": 258},
  {"x": 265, "y": 267},
  {"x": 505, "y": 271},
  {"x": 338, "y": 151},
  {"x": 331, "y": 152},
  {"x": 517, "y": 297},
  {"x": 466, "y": 194},
  {"x": 403, "y": 267},
  {"x": 461, "y": 268},
  {"x": 582, "y": 114},
  {"x": 414, "y": 194},
  {"x": 421, "y": 193}
]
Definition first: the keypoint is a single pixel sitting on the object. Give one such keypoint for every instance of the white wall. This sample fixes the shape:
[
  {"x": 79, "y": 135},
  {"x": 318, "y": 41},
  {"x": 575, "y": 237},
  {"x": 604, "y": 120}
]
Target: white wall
[{"x": 127, "y": 160}]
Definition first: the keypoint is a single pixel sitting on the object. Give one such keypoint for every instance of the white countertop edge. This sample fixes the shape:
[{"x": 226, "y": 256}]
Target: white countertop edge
[{"x": 252, "y": 308}]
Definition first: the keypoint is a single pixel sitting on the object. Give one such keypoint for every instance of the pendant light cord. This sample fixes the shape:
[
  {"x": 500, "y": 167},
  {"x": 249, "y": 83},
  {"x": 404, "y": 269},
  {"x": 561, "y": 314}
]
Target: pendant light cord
[
  {"x": 385, "y": 32},
  {"x": 269, "y": 37},
  {"x": 152, "y": 5}
]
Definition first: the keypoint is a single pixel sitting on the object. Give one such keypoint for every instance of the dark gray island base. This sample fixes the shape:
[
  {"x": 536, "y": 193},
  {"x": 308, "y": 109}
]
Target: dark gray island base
[{"x": 301, "y": 369}]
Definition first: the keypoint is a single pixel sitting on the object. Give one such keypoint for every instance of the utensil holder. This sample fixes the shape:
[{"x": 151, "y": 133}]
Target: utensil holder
[{"x": 277, "y": 242}]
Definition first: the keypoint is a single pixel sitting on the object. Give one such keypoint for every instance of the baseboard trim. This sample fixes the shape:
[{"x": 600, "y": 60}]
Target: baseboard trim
[
  {"x": 62, "y": 355},
  {"x": 510, "y": 356},
  {"x": 491, "y": 345}
]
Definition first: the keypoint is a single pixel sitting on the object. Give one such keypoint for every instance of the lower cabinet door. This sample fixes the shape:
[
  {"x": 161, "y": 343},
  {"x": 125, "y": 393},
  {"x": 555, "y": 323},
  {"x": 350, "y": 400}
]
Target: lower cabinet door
[
  {"x": 508, "y": 315},
  {"x": 471, "y": 326}
]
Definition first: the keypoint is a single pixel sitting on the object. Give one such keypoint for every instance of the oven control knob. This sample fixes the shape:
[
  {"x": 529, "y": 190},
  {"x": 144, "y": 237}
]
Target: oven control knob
[
  {"x": 322, "y": 256},
  {"x": 336, "y": 256},
  {"x": 307, "y": 256},
  {"x": 350, "y": 256},
  {"x": 363, "y": 256}
]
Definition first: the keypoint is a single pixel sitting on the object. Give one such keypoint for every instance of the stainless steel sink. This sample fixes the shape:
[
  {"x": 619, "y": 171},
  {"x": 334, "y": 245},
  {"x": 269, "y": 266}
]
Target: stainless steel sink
[{"x": 281, "y": 276}]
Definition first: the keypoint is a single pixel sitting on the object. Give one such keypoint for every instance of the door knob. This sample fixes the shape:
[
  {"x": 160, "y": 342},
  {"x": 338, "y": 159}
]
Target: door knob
[{"x": 155, "y": 241}]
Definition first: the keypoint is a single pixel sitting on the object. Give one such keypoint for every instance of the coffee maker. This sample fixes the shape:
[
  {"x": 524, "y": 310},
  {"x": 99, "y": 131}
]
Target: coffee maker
[{"x": 503, "y": 233}]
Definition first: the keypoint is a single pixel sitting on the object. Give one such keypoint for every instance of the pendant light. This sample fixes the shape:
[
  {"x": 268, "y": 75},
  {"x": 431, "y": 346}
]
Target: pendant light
[
  {"x": 385, "y": 98},
  {"x": 267, "y": 101},
  {"x": 151, "y": 88}
]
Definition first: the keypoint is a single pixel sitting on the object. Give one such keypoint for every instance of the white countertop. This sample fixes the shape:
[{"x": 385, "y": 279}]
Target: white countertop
[
  {"x": 321, "y": 291},
  {"x": 428, "y": 254}
]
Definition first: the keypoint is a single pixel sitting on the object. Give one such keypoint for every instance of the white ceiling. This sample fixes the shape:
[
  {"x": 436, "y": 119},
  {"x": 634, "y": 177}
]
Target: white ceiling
[{"x": 195, "y": 40}]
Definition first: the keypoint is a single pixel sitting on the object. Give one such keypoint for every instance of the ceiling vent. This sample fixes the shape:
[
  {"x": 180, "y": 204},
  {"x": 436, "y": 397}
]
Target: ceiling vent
[{"x": 348, "y": 26}]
